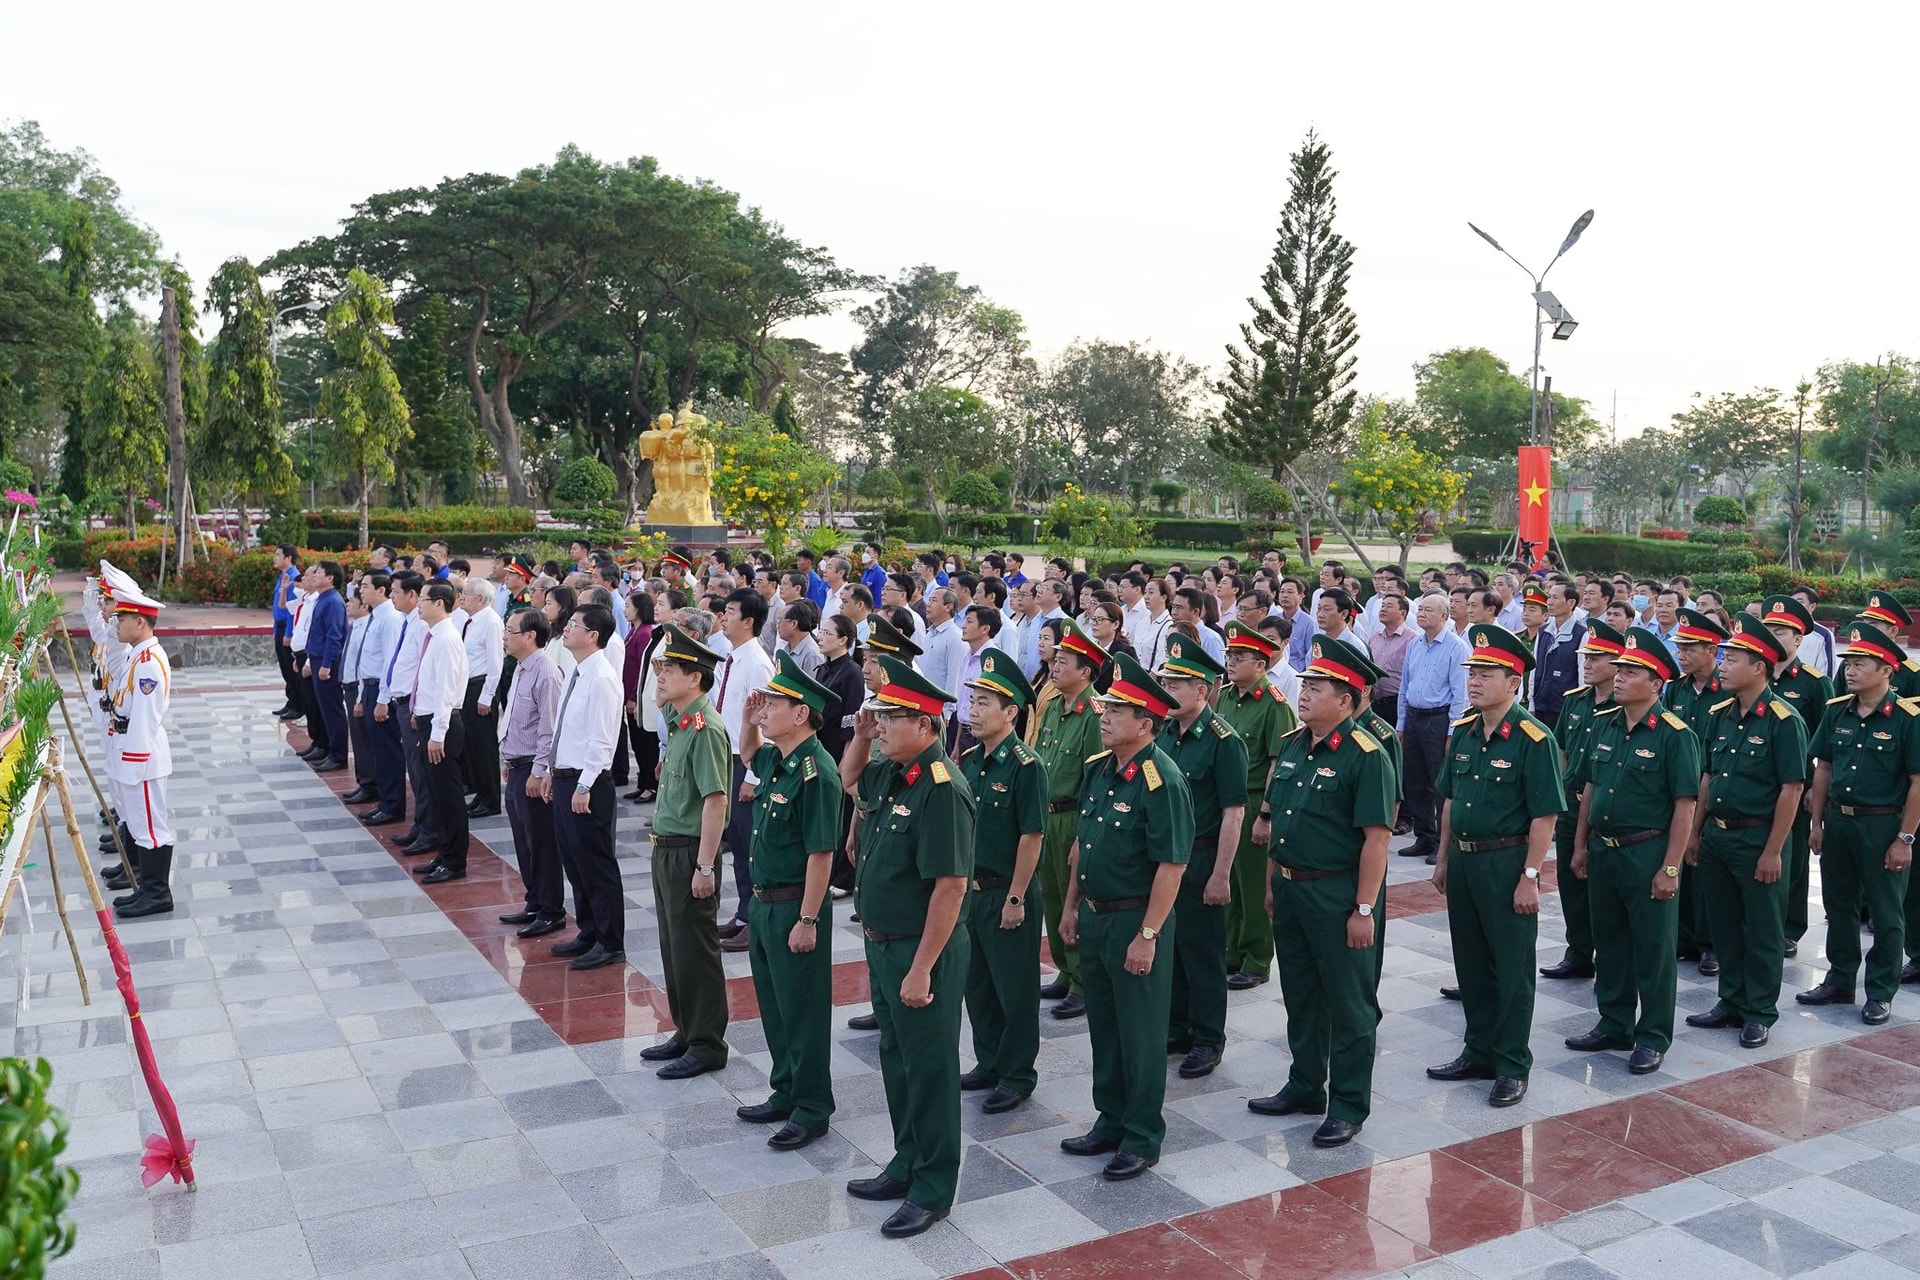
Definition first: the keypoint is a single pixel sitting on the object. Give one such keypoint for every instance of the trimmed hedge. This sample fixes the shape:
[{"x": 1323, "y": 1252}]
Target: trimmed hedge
[
  {"x": 1648, "y": 557},
  {"x": 426, "y": 521},
  {"x": 464, "y": 543},
  {"x": 1016, "y": 528}
]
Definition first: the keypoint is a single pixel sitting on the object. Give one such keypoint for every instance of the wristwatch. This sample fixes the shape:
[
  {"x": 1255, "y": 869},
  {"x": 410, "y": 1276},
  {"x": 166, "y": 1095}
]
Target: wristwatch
[
  {"x": 1364, "y": 908},
  {"x": 1531, "y": 873},
  {"x": 810, "y": 921},
  {"x": 702, "y": 871},
  {"x": 1013, "y": 899},
  {"x": 1673, "y": 873},
  {"x": 1266, "y": 815},
  {"x": 1148, "y": 932},
  {"x": 1906, "y": 838}
]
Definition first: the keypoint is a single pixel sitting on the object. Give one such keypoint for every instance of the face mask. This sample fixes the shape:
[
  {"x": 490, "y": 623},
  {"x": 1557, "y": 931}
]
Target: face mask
[
  {"x": 949, "y": 566},
  {"x": 1640, "y": 604},
  {"x": 866, "y": 557}
]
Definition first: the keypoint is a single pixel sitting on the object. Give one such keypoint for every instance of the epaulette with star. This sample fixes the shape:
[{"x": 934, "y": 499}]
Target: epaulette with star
[
  {"x": 1718, "y": 707},
  {"x": 1813, "y": 671},
  {"x": 699, "y": 720},
  {"x": 1606, "y": 711},
  {"x": 1365, "y": 741},
  {"x": 1152, "y": 773},
  {"x": 1465, "y": 720},
  {"x": 1024, "y": 753},
  {"x": 1221, "y": 729},
  {"x": 809, "y": 768},
  {"x": 1910, "y": 705},
  {"x": 1911, "y": 665},
  {"x": 1780, "y": 709},
  {"x": 1579, "y": 688},
  {"x": 1674, "y": 720},
  {"x": 1297, "y": 729}
]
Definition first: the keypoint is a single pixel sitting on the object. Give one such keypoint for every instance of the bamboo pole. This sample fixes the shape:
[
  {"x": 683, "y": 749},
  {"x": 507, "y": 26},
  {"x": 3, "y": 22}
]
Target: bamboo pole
[{"x": 60, "y": 899}]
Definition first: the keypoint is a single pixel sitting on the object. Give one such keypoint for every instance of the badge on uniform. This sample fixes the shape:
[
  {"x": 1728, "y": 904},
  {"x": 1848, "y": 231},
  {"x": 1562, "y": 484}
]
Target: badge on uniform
[
  {"x": 1883, "y": 736},
  {"x": 1644, "y": 753},
  {"x": 999, "y": 786},
  {"x": 1506, "y": 730},
  {"x": 1327, "y": 773},
  {"x": 1503, "y": 764},
  {"x": 1121, "y": 806},
  {"x": 777, "y": 798},
  {"x": 1758, "y": 742},
  {"x": 1133, "y": 767},
  {"x": 148, "y": 684},
  {"x": 901, "y": 811}
]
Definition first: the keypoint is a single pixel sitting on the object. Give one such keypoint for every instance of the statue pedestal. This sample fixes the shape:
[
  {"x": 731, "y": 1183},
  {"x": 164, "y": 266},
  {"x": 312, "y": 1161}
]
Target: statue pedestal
[{"x": 697, "y": 536}]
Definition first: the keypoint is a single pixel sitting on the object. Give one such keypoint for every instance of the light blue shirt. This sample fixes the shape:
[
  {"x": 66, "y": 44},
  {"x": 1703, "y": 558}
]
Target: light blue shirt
[
  {"x": 944, "y": 651},
  {"x": 1300, "y": 644},
  {"x": 376, "y": 651},
  {"x": 1030, "y": 642},
  {"x": 1435, "y": 675},
  {"x": 1213, "y": 643}
]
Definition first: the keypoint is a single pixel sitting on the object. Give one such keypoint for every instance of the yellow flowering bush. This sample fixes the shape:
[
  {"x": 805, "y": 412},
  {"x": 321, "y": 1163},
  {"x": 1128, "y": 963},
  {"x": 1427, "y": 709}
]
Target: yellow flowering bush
[
  {"x": 1093, "y": 523},
  {"x": 1409, "y": 489},
  {"x": 764, "y": 479}
]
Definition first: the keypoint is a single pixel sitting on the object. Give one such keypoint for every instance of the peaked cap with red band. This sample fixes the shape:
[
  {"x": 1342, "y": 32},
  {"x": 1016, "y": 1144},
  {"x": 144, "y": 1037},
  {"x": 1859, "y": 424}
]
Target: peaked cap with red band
[
  {"x": 1646, "y": 649},
  {"x": 130, "y": 600},
  {"x": 1785, "y": 611},
  {"x": 1697, "y": 628},
  {"x": 1133, "y": 686},
  {"x": 904, "y": 689},
  {"x": 1342, "y": 662},
  {"x": 1884, "y": 610},
  {"x": 676, "y": 556},
  {"x": 1534, "y": 593},
  {"x": 1866, "y": 640},
  {"x": 1495, "y": 646},
  {"x": 1751, "y": 634},
  {"x": 1076, "y": 641},
  {"x": 1250, "y": 640},
  {"x": 1603, "y": 637}
]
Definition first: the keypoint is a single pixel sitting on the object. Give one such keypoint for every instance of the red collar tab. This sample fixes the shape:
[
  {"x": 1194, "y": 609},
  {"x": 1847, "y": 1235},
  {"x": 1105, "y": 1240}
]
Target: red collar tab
[
  {"x": 1506, "y": 728},
  {"x": 1333, "y": 741},
  {"x": 1133, "y": 767},
  {"x": 1257, "y": 690},
  {"x": 913, "y": 773}
]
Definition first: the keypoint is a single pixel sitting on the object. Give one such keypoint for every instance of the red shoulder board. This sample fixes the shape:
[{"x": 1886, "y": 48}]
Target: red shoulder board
[
  {"x": 913, "y": 774},
  {"x": 146, "y": 655},
  {"x": 1333, "y": 743},
  {"x": 1506, "y": 728},
  {"x": 1257, "y": 690},
  {"x": 1133, "y": 767},
  {"x": 685, "y": 721}
]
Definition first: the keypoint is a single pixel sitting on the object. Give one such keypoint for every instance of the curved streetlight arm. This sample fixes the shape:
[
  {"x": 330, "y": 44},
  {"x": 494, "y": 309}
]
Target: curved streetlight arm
[{"x": 1509, "y": 257}]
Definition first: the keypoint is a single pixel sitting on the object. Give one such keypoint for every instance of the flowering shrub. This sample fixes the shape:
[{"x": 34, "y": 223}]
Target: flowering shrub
[
  {"x": 1092, "y": 524},
  {"x": 1406, "y": 487},
  {"x": 765, "y": 479}
]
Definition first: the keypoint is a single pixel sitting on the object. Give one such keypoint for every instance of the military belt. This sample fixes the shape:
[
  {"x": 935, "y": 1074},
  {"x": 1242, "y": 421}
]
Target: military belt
[
  {"x": 1626, "y": 838},
  {"x": 1303, "y": 873},
  {"x": 874, "y": 935},
  {"x": 991, "y": 882},
  {"x": 675, "y": 842},
  {"x": 1062, "y": 806},
  {"x": 1105, "y": 906},
  {"x": 785, "y": 893},
  {"x": 1742, "y": 824},
  {"x": 1487, "y": 846},
  {"x": 1867, "y": 810}
]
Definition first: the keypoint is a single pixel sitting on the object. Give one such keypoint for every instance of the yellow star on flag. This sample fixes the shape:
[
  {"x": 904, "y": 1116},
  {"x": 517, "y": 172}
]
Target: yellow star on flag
[{"x": 1534, "y": 493}]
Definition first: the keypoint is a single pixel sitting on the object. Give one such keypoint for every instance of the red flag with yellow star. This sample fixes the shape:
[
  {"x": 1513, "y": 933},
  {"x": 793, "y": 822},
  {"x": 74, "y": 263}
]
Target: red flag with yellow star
[{"x": 1536, "y": 502}]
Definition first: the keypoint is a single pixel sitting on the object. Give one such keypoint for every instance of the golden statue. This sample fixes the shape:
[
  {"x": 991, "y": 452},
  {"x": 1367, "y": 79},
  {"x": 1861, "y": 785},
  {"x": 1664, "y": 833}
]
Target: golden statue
[{"x": 682, "y": 469}]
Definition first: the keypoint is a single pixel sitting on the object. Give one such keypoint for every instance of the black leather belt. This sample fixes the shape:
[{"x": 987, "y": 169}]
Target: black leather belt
[
  {"x": 1868, "y": 810},
  {"x": 1626, "y": 838},
  {"x": 1741, "y": 824},
  {"x": 1062, "y": 806},
  {"x": 675, "y": 842},
  {"x": 785, "y": 893},
  {"x": 991, "y": 882},
  {"x": 1429, "y": 711},
  {"x": 515, "y": 762},
  {"x": 1302, "y": 873},
  {"x": 566, "y": 773},
  {"x": 874, "y": 935},
  {"x": 1105, "y": 906},
  {"x": 422, "y": 724},
  {"x": 1487, "y": 846}
]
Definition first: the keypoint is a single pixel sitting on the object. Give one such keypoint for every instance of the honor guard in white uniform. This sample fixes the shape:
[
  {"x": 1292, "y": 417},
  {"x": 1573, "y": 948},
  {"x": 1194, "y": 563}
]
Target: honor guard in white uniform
[
  {"x": 109, "y": 654},
  {"x": 139, "y": 759}
]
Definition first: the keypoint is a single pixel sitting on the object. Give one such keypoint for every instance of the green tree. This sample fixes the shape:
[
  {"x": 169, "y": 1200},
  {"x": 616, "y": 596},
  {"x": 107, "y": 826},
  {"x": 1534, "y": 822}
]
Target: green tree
[
  {"x": 927, "y": 329},
  {"x": 1408, "y": 488},
  {"x": 1737, "y": 435},
  {"x": 1120, "y": 409},
  {"x": 1468, "y": 402},
  {"x": 881, "y": 485},
  {"x": 360, "y": 398},
  {"x": 944, "y": 431},
  {"x": 1634, "y": 479},
  {"x": 1716, "y": 509},
  {"x": 444, "y": 444},
  {"x": 586, "y": 482},
  {"x": 1288, "y": 388},
  {"x": 123, "y": 434},
  {"x": 765, "y": 478},
  {"x": 242, "y": 440}
]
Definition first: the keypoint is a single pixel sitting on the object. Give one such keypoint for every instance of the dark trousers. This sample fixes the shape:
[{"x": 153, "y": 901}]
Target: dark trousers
[
  {"x": 533, "y": 844},
  {"x": 283, "y": 654},
  {"x": 740, "y": 839},
  {"x": 357, "y": 734},
  {"x": 332, "y": 706},
  {"x": 1425, "y": 744},
  {"x": 426, "y": 809},
  {"x": 483, "y": 747},
  {"x": 1387, "y": 706},
  {"x": 443, "y": 779},
  {"x": 389, "y": 754},
  {"x": 308, "y": 704},
  {"x": 1634, "y": 937},
  {"x": 646, "y": 755},
  {"x": 585, "y": 841},
  {"x": 622, "y": 754}
]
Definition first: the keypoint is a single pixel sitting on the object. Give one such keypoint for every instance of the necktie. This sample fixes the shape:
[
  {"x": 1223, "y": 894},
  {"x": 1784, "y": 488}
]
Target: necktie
[
  {"x": 720, "y": 703},
  {"x": 404, "y": 620},
  {"x": 560, "y": 720},
  {"x": 465, "y": 625}
]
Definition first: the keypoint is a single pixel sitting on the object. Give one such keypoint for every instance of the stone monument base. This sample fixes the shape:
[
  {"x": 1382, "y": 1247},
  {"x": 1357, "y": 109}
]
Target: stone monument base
[{"x": 700, "y": 537}]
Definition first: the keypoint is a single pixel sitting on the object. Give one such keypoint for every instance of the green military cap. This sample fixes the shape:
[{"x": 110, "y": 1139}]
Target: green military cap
[
  {"x": 1884, "y": 610},
  {"x": 889, "y": 639},
  {"x": 1495, "y": 646},
  {"x": 1865, "y": 639},
  {"x": 1074, "y": 640},
  {"x": 1133, "y": 686},
  {"x": 790, "y": 680},
  {"x": 1785, "y": 611},
  {"x": 1187, "y": 659},
  {"x": 1000, "y": 674},
  {"x": 1251, "y": 640},
  {"x": 1696, "y": 627},
  {"x": 681, "y": 647},
  {"x": 1604, "y": 638},
  {"x": 1342, "y": 661},
  {"x": 904, "y": 688},
  {"x": 1751, "y": 634},
  {"x": 1645, "y": 648}
]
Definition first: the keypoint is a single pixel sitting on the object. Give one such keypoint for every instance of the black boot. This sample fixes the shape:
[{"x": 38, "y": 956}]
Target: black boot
[
  {"x": 124, "y": 874},
  {"x": 155, "y": 896}
]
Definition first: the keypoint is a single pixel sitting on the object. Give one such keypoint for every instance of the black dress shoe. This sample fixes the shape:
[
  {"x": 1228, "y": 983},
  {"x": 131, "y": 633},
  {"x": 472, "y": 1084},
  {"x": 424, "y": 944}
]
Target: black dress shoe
[
  {"x": 1334, "y": 1133},
  {"x": 1241, "y": 980},
  {"x": 1596, "y": 1040},
  {"x": 1126, "y": 1166},
  {"x": 730, "y": 928},
  {"x": 1415, "y": 850},
  {"x": 427, "y": 868},
  {"x": 1449, "y": 993},
  {"x": 440, "y": 875},
  {"x": 1057, "y": 989},
  {"x": 1281, "y": 1105},
  {"x": 1645, "y": 1060},
  {"x": 864, "y": 1022},
  {"x": 598, "y": 958},
  {"x": 579, "y": 945},
  {"x": 1753, "y": 1035},
  {"x": 331, "y": 764},
  {"x": 419, "y": 847},
  {"x": 665, "y": 1051},
  {"x": 1910, "y": 972},
  {"x": 1088, "y": 1145},
  {"x": 1506, "y": 1092},
  {"x": 313, "y": 753},
  {"x": 1875, "y": 1012},
  {"x": 976, "y": 1079},
  {"x": 909, "y": 1220},
  {"x": 1793, "y": 946},
  {"x": 1072, "y": 1007},
  {"x": 1825, "y": 993},
  {"x": 379, "y": 817},
  {"x": 1567, "y": 969},
  {"x": 519, "y": 917},
  {"x": 483, "y": 811},
  {"x": 1200, "y": 1062},
  {"x": 1709, "y": 965},
  {"x": 360, "y": 795},
  {"x": 878, "y": 1187},
  {"x": 1179, "y": 1048},
  {"x": 116, "y": 882},
  {"x": 284, "y": 709},
  {"x": 1714, "y": 1018},
  {"x": 114, "y": 871},
  {"x": 1003, "y": 1099},
  {"x": 542, "y": 926},
  {"x": 1461, "y": 1068},
  {"x": 792, "y": 1137},
  {"x": 684, "y": 1067},
  {"x": 763, "y": 1113}
]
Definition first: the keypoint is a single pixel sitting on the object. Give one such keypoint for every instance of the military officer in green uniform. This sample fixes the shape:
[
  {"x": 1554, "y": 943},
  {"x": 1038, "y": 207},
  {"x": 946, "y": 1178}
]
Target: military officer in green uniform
[
  {"x": 916, "y": 856},
  {"x": 1866, "y": 806},
  {"x": 1696, "y": 646},
  {"x": 1383, "y": 733},
  {"x": 1069, "y": 736},
  {"x": 1639, "y": 777},
  {"x": 1332, "y": 802},
  {"x": 1890, "y": 615},
  {"x": 1261, "y": 716},
  {"x": 1501, "y": 794},
  {"x": 1009, "y": 786},
  {"x": 1602, "y": 645},
  {"x": 796, "y": 824},
  {"x": 1807, "y": 691},
  {"x": 688, "y": 818},
  {"x": 1754, "y": 762},
  {"x": 1213, "y": 760},
  {"x": 1129, "y": 852}
]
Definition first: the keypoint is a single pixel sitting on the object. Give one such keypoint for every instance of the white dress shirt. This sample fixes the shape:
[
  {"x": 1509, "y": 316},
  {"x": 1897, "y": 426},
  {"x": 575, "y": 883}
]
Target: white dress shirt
[
  {"x": 1135, "y": 622},
  {"x": 588, "y": 723},
  {"x": 1286, "y": 680},
  {"x": 483, "y": 632},
  {"x": 557, "y": 650},
  {"x": 741, "y": 672},
  {"x": 302, "y": 620},
  {"x": 1151, "y": 646},
  {"x": 442, "y": 685},
  {"x": 403, "y": 662},
  {"x": 355, "y": 652}
]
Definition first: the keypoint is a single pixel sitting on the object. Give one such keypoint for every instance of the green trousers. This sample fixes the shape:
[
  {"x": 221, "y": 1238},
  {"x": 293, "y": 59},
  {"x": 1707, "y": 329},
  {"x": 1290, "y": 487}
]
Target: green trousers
[
  {"x": 1913, "y": 916},
  {"x": 1573, "y": 900},
  {"x": 1127, "y": 1022},
  {"x": 1332, "y": 994},
  {"x": 1797, "y": 870},
  {"x": 1693, "y": 929},
  {"x": 1198, "y": 1012},
  {"x": 1634, "y": 941},
  {"x": 1003, "y": 991},
  {"x": 1249, "y": 929},
  {"x": 1054, "y": 871},
  {"x": 1749, "y": 920},
  {"x": 796, "y": 1007},
  {"x": 1853, "y": 871},
  {"x": 690, "y": 956},
  {"x": 920, "y": 1066},
  {"x": 1493, "y": 956}
]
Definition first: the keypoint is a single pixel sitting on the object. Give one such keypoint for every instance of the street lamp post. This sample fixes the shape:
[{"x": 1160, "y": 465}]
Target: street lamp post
[{"x": 1545, "y": 307}]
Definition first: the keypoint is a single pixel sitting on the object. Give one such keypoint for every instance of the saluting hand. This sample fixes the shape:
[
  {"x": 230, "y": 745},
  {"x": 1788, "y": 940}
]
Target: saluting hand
[
  {"x": 866, "y": 726},
  {"x": 756, "y": 703}
]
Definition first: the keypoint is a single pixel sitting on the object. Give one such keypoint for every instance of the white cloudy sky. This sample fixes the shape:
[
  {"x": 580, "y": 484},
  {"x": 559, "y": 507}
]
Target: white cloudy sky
[{"x": 1108, "y": 170}]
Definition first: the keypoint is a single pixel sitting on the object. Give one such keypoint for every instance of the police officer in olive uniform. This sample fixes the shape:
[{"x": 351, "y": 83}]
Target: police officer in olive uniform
[
  {"x": 1213, "y": 760},
  {"x": 1603, "y": 643},
  {"x": 1866, "y": 805},
  {"x": 1501, "y": 794},
  {"x": 1009, "y": 786},
  {"x": 1807, "y": 691},
  {"x": 796, "y": 824},
  {"x": 1890, "y": 615},
  {"x": 1696, "y": 643},
  {"x": 1261, "y": 716},
  {"x": 916, "y": 856},
  {"x": 1638, "y": 777},
  {"x": 1332, "y": 801},
  {"x": 1069, "y": 736},
  {"x": 1754, "y": 758},
  {"x": 1131, "y": 847}
]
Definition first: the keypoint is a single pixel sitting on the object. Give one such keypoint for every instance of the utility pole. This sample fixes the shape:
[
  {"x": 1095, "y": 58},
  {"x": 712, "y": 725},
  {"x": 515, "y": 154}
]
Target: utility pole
[{"x": 1866, "y": 469}]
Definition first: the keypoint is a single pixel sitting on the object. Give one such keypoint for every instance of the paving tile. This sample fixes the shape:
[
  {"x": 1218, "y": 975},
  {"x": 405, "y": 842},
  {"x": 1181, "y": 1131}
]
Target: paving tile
[
  {"x": 561, "y": 1104},
  {"x": 360, "y": 1184},
  {"x": 1780, "y": 1244},
  {"x": 685, "y": 1236},
  {"x": 1853, "y": 1072},
  {"x": 801, "y": 1210},
  {"x": 275, "y": 1253},
  {"x": 313, "y": 1104},
  {"x": 219, "y": 1209},
  {"x": 1665, "y": 1252},
  {"x": 576, "y": 1252},
  {"x": 509, "y": 1209},
  {"x": 379, "y": 1234},
  {"x": 1439, "y": 1202},
  {"x": 1569, "y": 1167},
  {"x": 1319, "y": 1235},
  {"x": 1776, "y": 1104},
  {"x": 745, "y": 1165},
  {"x": 1522, "y": 1253},
  {"x": 462, "y": 1166},
  {"x": 1157, "y": 1250},
  {"x": 1854, "y": 1217}
]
